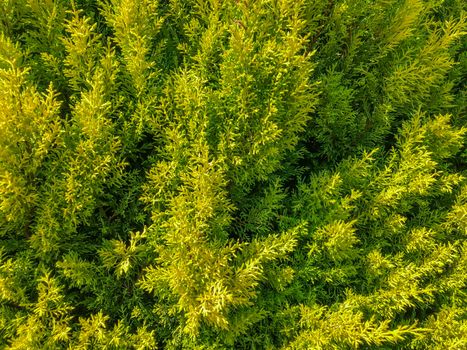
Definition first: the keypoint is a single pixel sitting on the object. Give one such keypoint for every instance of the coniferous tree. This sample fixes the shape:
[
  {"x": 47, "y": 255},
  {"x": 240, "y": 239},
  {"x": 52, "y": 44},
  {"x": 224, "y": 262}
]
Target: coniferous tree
[{"x": 233, "y": 174}]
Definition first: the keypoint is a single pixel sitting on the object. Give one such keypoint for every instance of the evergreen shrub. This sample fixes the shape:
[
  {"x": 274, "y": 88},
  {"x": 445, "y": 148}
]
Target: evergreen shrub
[{"x": 238, "y": 174}]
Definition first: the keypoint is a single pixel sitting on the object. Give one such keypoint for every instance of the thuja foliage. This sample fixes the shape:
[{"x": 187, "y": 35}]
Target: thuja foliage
[{"x": 235, "y": 174}]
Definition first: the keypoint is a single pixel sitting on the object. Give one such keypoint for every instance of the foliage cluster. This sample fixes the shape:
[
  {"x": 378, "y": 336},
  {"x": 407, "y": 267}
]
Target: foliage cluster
[{"x": 208, "y": 174}]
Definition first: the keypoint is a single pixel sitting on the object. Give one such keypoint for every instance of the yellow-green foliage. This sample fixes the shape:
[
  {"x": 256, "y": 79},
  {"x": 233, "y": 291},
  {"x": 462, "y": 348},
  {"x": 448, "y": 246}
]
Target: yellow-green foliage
[{"x": 233, "y": 174}]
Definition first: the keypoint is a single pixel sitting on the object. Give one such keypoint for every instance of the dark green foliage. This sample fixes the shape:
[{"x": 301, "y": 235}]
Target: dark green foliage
[{"x": 233, "y": 174}]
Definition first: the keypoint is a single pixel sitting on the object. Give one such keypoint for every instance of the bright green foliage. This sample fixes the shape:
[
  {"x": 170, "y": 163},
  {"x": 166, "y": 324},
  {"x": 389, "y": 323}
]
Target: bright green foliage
[{"x": 233, "y": 174}]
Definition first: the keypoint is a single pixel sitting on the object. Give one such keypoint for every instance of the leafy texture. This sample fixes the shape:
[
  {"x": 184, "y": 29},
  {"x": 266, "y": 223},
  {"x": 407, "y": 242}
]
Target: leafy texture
[{"x": 233, "y": 174}]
